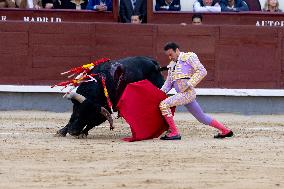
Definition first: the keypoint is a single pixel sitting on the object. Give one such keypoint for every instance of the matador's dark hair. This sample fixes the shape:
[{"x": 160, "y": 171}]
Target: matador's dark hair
[{"x": 171, "y": 45}]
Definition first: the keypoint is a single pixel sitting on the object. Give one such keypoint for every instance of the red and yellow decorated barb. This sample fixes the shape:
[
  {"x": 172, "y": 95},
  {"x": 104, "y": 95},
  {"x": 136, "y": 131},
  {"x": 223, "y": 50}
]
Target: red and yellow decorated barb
[
  {"x": 75, "y": 82},
  {"x": 84, "y": 76},
  {"x": 64, "y": 84},
  {"x": 85, "y": 68},
  {"x": 106, "y": 93}
]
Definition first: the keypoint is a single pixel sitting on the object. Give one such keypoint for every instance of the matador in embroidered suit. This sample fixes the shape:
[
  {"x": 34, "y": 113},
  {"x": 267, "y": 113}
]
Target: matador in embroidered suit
[{"x": 185, "y": 72}]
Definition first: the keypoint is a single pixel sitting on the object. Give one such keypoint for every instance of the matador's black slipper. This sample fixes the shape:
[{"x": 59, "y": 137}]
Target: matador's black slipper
[
  {"x": 229, "y": 134},
  {"x": 176, "y": 137}
]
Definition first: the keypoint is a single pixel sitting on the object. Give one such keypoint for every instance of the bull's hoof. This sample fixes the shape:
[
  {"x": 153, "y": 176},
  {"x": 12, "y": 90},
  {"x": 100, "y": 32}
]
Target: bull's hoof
[
  {"x": 74, "y": 133},
  {"x": 82, "y": 136},
  {"x": 61, "y": 133},
  {"x": 85, "y": 132}
]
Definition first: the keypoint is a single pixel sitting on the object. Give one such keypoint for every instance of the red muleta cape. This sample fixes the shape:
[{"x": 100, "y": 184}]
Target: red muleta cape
[{"x": 139, "y": 106}]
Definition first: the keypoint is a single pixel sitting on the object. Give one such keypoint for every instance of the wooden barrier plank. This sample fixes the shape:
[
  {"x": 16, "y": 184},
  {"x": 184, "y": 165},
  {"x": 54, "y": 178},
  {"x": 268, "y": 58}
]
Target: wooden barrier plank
[
  {"x": 122, "y": 40},
  {"x": 14, "y": 27},
  {"x": 117, "y": 53},
  {"x": 60, "y": 39},
  {"x": 15, "y": 69},
  {"x": 14, "y": 42},
  {"x": 62, "y": 62},
  {"x": 235, "y": 56},
  {"x": 246, "y": 54},
  {"x": 173, "y": 29},
  {"x": 62, "y": 50},
  {"x": 8, "y": 38},
  {"x": 13, "y": 49},
  {"x": 63, "y": 28},
  {"x": 248, "y": 33},
  {"x": 39, "y": 74},
  {"x": 241, "y": 57},
  {"x": 120, "y": 29}
]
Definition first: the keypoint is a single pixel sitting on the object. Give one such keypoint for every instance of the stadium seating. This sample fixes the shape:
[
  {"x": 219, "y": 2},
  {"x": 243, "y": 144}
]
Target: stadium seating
[{"x": 254, "y": 5}]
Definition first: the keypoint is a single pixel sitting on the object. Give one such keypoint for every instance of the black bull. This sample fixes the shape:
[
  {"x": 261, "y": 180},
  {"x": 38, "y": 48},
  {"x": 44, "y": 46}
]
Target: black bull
[{"x": 118, "y": 74}]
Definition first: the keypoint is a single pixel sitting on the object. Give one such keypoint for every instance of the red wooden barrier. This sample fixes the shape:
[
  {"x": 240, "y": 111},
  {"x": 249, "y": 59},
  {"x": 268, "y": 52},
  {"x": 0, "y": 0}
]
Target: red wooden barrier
[{"x": 235, "y": 56}]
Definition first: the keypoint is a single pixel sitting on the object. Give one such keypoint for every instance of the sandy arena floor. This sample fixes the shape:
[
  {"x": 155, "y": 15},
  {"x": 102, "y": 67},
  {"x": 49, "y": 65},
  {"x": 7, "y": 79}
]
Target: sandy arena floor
[{"x": 31, "y": 157}]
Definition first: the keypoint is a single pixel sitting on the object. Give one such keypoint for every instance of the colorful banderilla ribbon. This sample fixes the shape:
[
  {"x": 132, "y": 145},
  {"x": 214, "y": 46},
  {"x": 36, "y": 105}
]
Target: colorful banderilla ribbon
[
  {"x": 84, "y": 76},
  {"x": 106, "y": 92},
  {"x": 85, "y": 68},
  {"x": 77, "y": 81}
]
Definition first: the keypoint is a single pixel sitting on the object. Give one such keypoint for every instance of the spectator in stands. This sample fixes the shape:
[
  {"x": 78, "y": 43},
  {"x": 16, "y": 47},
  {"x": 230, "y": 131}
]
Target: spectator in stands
[
  {"x": 206, "y": 6},
  {"x": 196, "y": 19},
  {"x": 29, "y": 4},
  {"x": 233, "y": 5},
  {"x": 100, "y": 5},
  {"x": 7, "y": 4},
  {"x": 74, "y": 4},
  {"x": 128, "y": 8},
  {"x": 271, "y": 6},
  {"x": 136, "y": 19},
  {"x": 167, "y": 5},
  {"x": 51, "y": 4}
]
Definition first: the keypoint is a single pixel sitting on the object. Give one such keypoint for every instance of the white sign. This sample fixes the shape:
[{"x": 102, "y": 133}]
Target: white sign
[
  {"x": 41, "y": 19},
  {"x": 269, "y": 23},
  {"x": 34, "y": 19},
  {"x": 3, "y": 18}
]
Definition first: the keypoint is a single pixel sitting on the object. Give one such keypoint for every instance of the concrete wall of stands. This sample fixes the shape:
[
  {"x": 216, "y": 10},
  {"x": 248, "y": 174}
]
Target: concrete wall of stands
[{"x": 236, "y": 56}]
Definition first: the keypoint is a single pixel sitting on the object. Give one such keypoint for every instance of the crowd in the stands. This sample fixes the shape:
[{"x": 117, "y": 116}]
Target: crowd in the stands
[{"x": 135, "y": 11}]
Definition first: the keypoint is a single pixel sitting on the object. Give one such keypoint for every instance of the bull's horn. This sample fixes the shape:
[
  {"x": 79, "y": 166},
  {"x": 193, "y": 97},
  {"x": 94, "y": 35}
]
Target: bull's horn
[
  {"x": 107, "y": 115},
  {"x": 76, "y": 96}
]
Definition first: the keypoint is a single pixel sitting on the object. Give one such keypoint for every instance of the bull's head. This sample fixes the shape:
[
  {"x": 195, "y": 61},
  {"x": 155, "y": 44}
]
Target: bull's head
[{"x": 103, "y": 111}]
